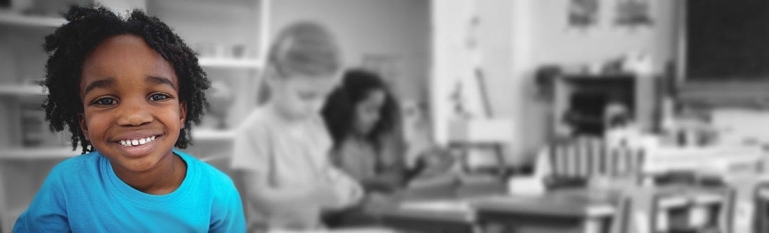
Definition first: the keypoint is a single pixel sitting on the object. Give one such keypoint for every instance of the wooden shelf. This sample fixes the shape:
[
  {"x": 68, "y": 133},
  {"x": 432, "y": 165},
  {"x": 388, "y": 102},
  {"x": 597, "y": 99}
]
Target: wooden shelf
[
  {"x": 8, "y": 18},
  {"x": 38, "y": 153},
  {"x": 230, "y": 63},
  {"x": 22, "y": 90}
]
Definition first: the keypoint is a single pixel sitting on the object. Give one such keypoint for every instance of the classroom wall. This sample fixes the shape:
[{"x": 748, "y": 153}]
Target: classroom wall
[
  {"x": 551, "y": 41},
  {"x": 519, "y": 36},
  {"x": 391, "y": 30}
]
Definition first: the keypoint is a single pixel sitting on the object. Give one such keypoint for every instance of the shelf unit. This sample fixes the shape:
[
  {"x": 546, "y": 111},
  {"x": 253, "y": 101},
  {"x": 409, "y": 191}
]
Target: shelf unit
[
  {"x": 21, "y": 90},
  {"x": 38, "y": 153}
]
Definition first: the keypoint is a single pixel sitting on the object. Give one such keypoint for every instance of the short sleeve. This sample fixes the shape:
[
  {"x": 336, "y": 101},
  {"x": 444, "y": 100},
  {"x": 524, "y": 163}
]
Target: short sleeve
[
  {"x": 228, "y": 213},
  {"x": 251, "y": 148},
  {"x": 346, "y": 189},
  {"x": 47, "y": 212}
]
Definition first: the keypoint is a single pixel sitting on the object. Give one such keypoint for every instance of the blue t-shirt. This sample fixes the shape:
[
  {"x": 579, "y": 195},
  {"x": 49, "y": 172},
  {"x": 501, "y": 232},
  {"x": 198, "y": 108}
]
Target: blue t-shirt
[{"x": 83, "y": 194}]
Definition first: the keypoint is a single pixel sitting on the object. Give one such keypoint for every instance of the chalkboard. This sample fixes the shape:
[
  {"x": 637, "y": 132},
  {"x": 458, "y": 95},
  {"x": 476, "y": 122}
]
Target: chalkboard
[{"x": 727, "y": 40}]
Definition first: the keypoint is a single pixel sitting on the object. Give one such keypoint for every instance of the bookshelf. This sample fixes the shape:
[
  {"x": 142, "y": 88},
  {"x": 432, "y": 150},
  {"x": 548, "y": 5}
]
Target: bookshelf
[
  {"x": 15, "y": 19},
  {"x": 21, "y": 90}
]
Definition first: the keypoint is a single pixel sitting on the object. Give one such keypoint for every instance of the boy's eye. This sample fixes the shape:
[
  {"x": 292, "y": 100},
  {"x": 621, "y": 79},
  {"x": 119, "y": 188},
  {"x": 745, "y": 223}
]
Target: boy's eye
[
  {"x": 104, "y": 101},
  {"x": 157, "y": 97}
]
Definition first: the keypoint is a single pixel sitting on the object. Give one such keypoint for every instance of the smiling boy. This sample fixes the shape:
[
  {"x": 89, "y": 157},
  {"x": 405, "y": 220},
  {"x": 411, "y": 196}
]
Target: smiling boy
[{"x": 129, "y": 91}]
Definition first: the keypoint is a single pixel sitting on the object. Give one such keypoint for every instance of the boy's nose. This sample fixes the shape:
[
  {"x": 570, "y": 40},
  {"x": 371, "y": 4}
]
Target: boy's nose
[{"x": 134, "y": 113}]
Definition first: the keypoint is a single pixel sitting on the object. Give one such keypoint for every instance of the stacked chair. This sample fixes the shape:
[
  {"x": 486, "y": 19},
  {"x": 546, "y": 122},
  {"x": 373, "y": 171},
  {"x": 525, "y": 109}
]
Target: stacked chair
[{"x": 674, "y": 201}]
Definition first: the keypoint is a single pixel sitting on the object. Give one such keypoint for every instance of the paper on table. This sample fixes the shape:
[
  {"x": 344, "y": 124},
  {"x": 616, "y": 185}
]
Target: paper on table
[{"x": 529, "y": 186}]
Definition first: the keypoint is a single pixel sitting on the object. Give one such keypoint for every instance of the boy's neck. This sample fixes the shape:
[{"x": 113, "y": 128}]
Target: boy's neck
[{"x": 164, "y": 179}]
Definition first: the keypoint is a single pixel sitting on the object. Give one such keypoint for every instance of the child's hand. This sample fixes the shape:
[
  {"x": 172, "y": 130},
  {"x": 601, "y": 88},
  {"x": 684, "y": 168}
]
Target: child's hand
[
  {"x": 378, "y": 203},
  {"x": 339, "y": 190},
  {"x": 435, "y": 161},
  {"x": 323, "y": 194}
]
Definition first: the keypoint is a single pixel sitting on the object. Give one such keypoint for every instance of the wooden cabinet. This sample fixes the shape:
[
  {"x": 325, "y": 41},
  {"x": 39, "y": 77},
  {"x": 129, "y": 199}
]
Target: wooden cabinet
[{"x": 587, "y": 95}]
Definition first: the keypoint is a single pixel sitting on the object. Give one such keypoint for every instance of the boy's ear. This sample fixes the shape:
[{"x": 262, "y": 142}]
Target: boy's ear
[
  {"x": 182, "y": 113},
  {"x": 83, "y": 126}
]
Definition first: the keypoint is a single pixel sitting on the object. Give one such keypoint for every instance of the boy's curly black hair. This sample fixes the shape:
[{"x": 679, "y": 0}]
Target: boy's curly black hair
[
  {"x": 339, "y": 110},
  {"x": 73, "y": 42}
]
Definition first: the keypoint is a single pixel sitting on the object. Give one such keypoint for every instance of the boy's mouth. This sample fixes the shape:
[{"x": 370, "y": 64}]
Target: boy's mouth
[{"x": 136, "y": 142}]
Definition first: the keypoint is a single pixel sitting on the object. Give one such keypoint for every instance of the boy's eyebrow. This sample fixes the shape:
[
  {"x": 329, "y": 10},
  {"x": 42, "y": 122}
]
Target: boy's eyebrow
[
  {"x": 161, "y": 80},
  {"x": 99, "y": 84}
]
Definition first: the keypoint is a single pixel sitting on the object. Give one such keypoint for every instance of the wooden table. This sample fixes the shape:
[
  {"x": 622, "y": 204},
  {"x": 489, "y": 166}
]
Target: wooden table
[
  {"x": 574, "y": 211},
  {"x": 437, "y": 216}
]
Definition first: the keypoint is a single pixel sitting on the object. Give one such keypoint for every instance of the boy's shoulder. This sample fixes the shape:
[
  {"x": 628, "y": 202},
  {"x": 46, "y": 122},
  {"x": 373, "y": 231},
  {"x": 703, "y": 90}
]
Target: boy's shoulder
[
  {"x": 79, "y": 162},
  {"x": 78, "y": 168},
  {"x": 205, "y": 171}
]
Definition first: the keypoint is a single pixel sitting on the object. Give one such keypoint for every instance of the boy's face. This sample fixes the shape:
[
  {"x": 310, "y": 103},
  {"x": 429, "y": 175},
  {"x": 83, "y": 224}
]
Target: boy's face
[
  {"x": 130, "y": 94},
  {"x": 300, "y": 96}
]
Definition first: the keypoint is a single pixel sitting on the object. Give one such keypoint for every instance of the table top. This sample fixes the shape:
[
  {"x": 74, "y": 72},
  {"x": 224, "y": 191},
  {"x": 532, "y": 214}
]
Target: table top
[
  {"x": 571, "y": 203},
  {"x": 576, "y": 203},
  {"x": 446, "y": 210}
]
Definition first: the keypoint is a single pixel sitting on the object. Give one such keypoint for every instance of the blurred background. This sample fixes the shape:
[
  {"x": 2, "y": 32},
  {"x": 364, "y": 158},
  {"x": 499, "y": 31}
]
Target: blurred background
[{"x": 685, "y": 81}]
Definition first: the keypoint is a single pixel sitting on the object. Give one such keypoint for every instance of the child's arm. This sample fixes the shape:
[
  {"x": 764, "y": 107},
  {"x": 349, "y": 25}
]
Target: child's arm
[
  {"x": 276, "y": 199},
  {"x": 346, "y": 190},
  {"x": 47, "y": 212},
  {"x": 393, "y": 167},
  {"x": 251, "y": 160}
]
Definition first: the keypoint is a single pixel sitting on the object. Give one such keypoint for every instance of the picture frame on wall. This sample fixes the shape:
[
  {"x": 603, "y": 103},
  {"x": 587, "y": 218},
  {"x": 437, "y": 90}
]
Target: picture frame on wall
[
  {"x": 583, "y": 13},
  {"x": 633, "y": 13}
]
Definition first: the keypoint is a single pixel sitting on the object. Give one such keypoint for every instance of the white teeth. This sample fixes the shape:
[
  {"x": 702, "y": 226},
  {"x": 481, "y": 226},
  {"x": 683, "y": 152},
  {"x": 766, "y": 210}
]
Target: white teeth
[{"x": 136, "y": 142}]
